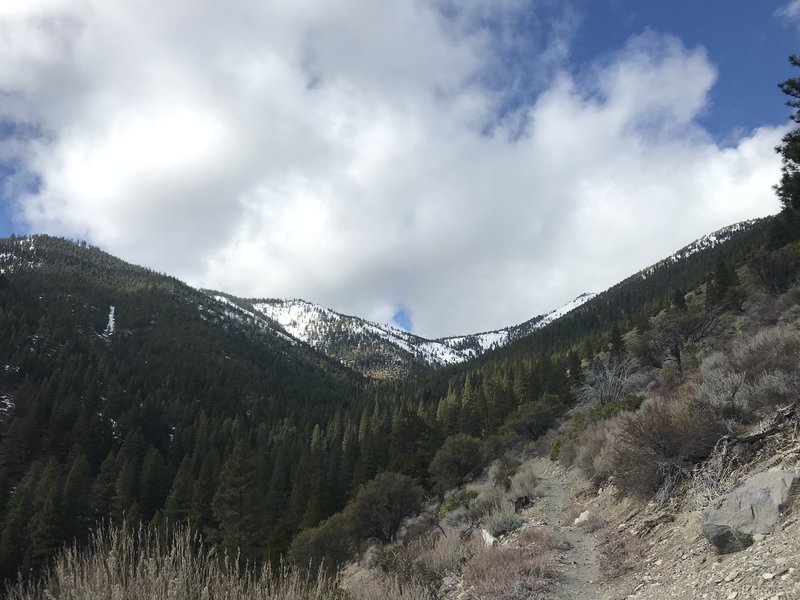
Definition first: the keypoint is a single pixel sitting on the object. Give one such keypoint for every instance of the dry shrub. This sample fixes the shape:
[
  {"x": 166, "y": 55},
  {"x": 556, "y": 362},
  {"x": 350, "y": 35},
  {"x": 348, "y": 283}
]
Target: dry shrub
[
  {"x": 771, "y": 349},
  {"x": 502, "y": 519},
  {"x": 143, "y": 565},
  {"x": 710, "y": 478},
  {"x": 568, "y": 452},
  {"x": 387, "y": 587},
  {"x": 720, "y": 388},
  {"x": 595, "y": 454},
  {"x": 769, "y": 390},
  {"x": 433, "y": 557},
  {"x": 541, "y": 539},
  {"x": 524, "y": 482},
  {"x": 508, "y": 573},
  {"x": 656, "y": 445},
  {"x": 488, "y": 497},
  {"x": 620, "y": 553}
]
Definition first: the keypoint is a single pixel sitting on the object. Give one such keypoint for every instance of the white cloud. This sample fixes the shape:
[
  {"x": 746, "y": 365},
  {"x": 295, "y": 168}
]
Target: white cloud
[
  {"x": 338, "y": 152},
  {"x": 791, "y": 10}
]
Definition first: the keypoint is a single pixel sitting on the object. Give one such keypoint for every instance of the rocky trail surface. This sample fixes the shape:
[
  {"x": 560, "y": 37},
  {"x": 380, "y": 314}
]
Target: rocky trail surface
[{"x": 579, "y": 573}]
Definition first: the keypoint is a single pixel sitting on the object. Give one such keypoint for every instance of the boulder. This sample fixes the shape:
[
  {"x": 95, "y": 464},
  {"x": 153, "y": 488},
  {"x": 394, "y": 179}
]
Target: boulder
[
  {"x": 582, "y": 518},
  {"x": 754, "y": 507}
]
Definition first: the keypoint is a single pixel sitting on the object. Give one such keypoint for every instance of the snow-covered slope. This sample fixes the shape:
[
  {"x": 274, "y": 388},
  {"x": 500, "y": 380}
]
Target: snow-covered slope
[
  {"x": 382, "y": 351},
  {"x": 704, "y": 243},
  {"x": 376, "y": 349}
]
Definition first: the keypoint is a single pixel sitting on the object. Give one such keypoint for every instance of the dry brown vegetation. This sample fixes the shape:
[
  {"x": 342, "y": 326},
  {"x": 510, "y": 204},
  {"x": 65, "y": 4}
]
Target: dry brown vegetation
[
  {"x": 514, "y": 572},
  {"x": 140, "y": 565}
]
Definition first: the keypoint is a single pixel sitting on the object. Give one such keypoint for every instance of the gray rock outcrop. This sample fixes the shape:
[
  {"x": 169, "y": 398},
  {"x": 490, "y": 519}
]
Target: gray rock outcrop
[{"x": 730, "y": 521}]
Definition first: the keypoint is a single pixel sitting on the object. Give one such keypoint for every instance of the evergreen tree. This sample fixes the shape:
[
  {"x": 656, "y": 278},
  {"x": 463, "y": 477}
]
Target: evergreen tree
[
  {"x": 77, "y": 502},
  {"x": 616, "y": 343},
  {"x": 788, "y": 189},
  {"x": 236, "y": 504},
  {"x": 179, "y": 502}
]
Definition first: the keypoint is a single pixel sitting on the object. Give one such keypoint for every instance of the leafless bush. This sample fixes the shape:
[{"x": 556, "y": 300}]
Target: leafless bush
[
  {"x": 661, "y": 441},
  {"x": 771, "y": 349},
  {"x": 141, "y": 565},
  {"x": 720, "y": 388},
  {"x": 709, "y": 478},
  {"x": 611, "y": 381},
  {"x": 770, "y": 389},
  {"x": 508, "y": 573}
]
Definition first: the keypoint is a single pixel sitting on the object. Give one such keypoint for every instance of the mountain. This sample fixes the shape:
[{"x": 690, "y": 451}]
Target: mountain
[
  {"x": 128, "y": 395},
  {"x": 378, "y": 350}
]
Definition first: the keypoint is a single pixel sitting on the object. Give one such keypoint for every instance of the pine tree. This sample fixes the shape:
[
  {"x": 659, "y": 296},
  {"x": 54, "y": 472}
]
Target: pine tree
[
  {"x": 788, "y": 189},
  {"x": 77, "y": 503},
  {"x": 179, "y": 502},
  {"x": 236, "y": 504},
  {"x": 153, "y": 484},
  {"x": 47, "y": 533}
]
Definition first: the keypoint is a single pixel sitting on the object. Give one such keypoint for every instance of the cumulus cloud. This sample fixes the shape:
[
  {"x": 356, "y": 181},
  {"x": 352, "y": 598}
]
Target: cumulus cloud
[{"x": 429, "y": 159}]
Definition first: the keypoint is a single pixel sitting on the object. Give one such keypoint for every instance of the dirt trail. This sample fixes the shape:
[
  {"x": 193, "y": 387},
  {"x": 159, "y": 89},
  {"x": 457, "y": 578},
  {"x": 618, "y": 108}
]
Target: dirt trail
[{"x": 578, "y": 566}]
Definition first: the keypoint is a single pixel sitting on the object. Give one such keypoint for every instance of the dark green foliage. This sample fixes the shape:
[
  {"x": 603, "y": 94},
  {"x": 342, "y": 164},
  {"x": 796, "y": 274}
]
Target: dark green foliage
[
  {"x": 376, "y": 512},
  {"x": 458, "y": 499},
  {"x": 629, "y": 403},
  {"x": 788, "y": 189},
  {"x": 459, "y": 457},
  {"x": 381, "y": 505},
  {"x": 776, "y": 270},
  {"x": 236, "y": 504},
  {"x": 330, "y": 544}
]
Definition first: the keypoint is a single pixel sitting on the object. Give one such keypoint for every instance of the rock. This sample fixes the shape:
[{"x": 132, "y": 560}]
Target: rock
[
  {"x": 488, "y": 539},
  {"x": 582, "y": 518},
  {"x": 730, "y": 521}
]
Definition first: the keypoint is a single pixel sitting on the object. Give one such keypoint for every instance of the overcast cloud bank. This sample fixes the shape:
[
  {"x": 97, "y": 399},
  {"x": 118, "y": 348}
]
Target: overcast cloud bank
[{"x": 368, "y": 156}]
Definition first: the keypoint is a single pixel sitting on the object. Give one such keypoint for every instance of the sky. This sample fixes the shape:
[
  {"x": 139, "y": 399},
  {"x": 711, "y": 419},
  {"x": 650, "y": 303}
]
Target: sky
[{"x": 449, "y": 166}]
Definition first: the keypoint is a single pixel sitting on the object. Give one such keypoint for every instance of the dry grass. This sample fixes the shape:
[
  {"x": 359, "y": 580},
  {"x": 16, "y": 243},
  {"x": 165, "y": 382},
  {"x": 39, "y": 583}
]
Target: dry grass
[
  {"x": 140, "y": 565},
  {"x": 508, "y": 573},
  {"x": 543, "y": 539},
  {"x": 378, "y": 585},
  {"x": 443, "y": 554},
  {"x": 524, "y": 482}
]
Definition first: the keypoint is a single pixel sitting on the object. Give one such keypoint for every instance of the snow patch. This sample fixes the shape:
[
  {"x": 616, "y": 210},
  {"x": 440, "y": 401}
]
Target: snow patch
[
  {"x": 6, "y": 405},
  {"x": 111, "y": 322}
]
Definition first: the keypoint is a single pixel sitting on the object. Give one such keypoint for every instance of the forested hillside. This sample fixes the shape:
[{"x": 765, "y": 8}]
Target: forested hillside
[{"x": 132, "y": 397}]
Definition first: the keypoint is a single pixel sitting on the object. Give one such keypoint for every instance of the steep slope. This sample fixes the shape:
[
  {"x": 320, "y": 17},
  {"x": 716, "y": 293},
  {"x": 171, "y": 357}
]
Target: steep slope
[{"x": 116, "y": 382}]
